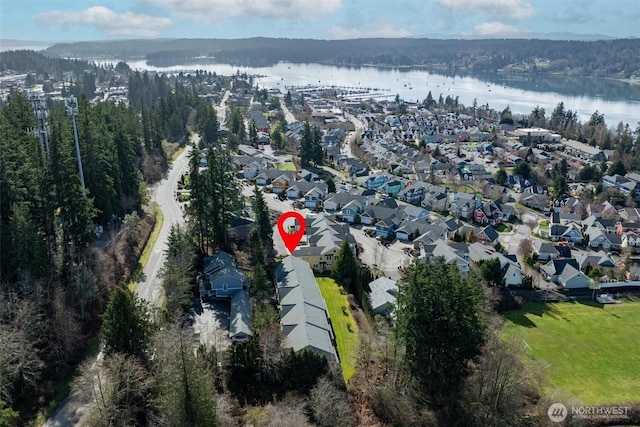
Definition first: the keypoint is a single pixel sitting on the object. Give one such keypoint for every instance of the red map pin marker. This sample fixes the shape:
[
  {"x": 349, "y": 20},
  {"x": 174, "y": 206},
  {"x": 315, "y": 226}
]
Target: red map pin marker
[{"x": 291, "y": 240}]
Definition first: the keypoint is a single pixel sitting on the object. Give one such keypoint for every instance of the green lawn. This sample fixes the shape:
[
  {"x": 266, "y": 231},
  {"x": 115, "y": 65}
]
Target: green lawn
[
  {"x": 344, "y": 326},
  {"x": 286, "y": 167},
  {"x": 544, "y": 223},
  {"x": 593, "y": 351}
]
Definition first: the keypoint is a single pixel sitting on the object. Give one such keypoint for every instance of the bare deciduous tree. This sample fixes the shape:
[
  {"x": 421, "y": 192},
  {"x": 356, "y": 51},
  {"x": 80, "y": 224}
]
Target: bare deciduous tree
[
  {"x": 121, "y": 390},
  {"x": 329, "y": 405},
  {"x": 525, "y": 248}
]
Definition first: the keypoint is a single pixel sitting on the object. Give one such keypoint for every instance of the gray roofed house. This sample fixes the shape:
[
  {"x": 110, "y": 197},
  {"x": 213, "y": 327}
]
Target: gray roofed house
[
  {"x": 545, "y": 250},
  {"x": 222, "y": 278},
  {"x": 554, "y": 268},
  {"x": 303, "y": 312},
  {"x": 382, "y": 297},
  {"x": 240, "y": 317},
  {"x": 572, "y": 278},
  {"x": 599, "y": 259}
]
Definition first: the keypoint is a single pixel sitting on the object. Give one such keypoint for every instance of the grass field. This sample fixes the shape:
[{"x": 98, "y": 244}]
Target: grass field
[
  {"x": 146, "y": 252},
  {"x": 344, "y": 326},
  {"x": 286, "y": 167},
  {"x": 593, "y": 351}
]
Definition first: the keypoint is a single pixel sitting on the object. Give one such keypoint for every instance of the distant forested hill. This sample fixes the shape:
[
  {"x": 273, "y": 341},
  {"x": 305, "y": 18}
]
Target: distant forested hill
[{"x": 603, "y": 58}]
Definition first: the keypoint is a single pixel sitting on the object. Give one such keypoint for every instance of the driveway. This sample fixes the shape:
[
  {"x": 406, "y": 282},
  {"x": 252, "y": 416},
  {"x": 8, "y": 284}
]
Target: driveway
[{"x": 211, "y": 323}]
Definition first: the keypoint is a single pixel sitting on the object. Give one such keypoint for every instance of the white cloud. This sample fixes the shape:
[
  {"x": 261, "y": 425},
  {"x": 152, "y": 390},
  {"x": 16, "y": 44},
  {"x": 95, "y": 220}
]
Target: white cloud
[
  {"x": 381, "y": 28},
  {"x": 496, "y": 29},
  {"x": 217, "y": 10},
  {"x": 513, "y": 9},
  {"x": 109, "y": 22}
]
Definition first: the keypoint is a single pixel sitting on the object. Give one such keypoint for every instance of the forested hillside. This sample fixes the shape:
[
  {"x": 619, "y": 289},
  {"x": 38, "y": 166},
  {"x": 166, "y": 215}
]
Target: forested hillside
[
  {"x": 603, "y": 58},
  {"x": 55, "y": 279}
]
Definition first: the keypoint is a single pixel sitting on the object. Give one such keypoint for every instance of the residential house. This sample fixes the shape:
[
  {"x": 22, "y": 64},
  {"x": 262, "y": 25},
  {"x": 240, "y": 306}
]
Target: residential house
[
  {"x": 463, "y": 205},
  {"x": 570, "y": 233},
  {"x": 554, "y": 268},
  {"x": 267, "y": 176},
  {"x": 374, "y": 182},
  {"x": 240, "y": 317},
  {"x": 452, "y": 253},
  {"x": 488, "y": 235},
  {"x": 313, "y": 198},
  {"x": 221, "y": 277},
  {"x": 546, "y": 251},
  {"x": 322, "y": 241},
  {"x": 430, "y": 235},
  {"x": 535, "y": 201},
  {"x": 303, "y": 312},
  {"x": 335, "y": 201},
  {"x": 416, "y": 212},
  {"x": 382, "y": 297},
  {"x": 600, "y": 259},
  {"x": 573, "y": 278},
  {"x": 410, "y": 229},
  {"x": 386, "y": 227},
  {"x": 351, "y": 211},
  {"x": 511, "y": 271},
  {"x": 488, "y": 213},
  {"x": 372, "y": 214},
  {"x": 631, "y": 239},
  {"x": 280, "y": 184},
  {"x": 600, "y": 238},
  {"x": 413, "y": 193},
  {"x": 392, "y": 187},
  {"x": 613, "y": 181}
]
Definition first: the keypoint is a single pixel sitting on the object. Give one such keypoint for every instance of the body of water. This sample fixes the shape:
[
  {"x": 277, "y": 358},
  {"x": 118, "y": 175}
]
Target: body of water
[{"x": 618, "y": 101}]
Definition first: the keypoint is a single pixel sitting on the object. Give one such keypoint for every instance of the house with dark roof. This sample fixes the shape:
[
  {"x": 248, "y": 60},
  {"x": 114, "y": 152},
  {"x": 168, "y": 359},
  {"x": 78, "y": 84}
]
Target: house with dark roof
[
  {"x": 488, "y": 235},
  {"x": 554, "y": 268},
  {"x": 303, "y": 313},
  {"x": 546, "y": 251}
]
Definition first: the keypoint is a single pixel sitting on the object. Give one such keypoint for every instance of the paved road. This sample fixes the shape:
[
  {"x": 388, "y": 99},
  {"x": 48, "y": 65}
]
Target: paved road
[{"x": 164, "y": 195}]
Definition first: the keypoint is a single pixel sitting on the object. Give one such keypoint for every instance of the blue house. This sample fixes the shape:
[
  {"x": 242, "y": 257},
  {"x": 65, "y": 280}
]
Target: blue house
[
  {"x": 222, "y": 278},
  {"x": 375, "y": 182}
]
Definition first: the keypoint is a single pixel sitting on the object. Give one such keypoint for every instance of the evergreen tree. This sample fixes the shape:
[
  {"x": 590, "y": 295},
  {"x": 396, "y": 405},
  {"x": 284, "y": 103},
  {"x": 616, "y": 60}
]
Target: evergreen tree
[
  {"x": 345, "y": 268},
  {"x": 253, "y": 134},
  {"x": 262, "y": 218},
  {"x": 126, "y": 327},
  {"x": 501, "y": 176},
  {"x": 209, "y": 125},
  {"x": 221, "y": 194},
  {"x": 491, "y": 271},
  {"x": 331, "y": 185},
  {"x": 178, "y": 272},
  {"x": 440, "y": 321},
  {"x": 186, "y": 382},
  {"x": 306, "y": 145}
]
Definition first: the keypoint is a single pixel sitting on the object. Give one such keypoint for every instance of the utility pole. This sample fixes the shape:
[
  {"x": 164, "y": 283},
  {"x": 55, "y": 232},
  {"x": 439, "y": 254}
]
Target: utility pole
[
  {"x": 42, "y": 131},
  {"x": 71, "y": 104}
]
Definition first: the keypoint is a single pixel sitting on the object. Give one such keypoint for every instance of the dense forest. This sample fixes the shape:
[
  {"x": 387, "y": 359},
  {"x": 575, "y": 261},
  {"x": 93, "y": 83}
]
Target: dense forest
[
  {"x": 65, "y": 247},
  {"x": 603, "y": 58}
]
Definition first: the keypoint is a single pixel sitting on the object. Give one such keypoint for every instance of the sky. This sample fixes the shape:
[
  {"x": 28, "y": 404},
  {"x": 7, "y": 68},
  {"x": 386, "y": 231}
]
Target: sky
[{"x": 77, "y": 20}]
